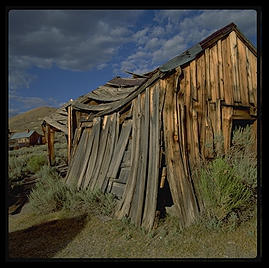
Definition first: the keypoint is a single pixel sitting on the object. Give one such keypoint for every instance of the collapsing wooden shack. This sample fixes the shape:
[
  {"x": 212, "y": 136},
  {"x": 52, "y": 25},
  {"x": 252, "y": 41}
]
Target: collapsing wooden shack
[{"x": 140, "y": 137}]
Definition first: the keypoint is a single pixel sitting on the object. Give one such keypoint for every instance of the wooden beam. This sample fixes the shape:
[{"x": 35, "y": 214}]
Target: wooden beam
[
  {"x": 69, "y": 135},
  {"x": 50, "y": 139}
]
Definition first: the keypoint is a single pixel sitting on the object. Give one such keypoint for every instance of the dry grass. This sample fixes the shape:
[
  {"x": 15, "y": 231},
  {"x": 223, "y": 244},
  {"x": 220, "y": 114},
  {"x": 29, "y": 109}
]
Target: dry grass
[{"x": 61, "y": 235}]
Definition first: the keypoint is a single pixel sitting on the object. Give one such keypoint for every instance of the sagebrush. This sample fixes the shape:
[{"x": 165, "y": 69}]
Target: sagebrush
[{"x": 227, "y": 184}]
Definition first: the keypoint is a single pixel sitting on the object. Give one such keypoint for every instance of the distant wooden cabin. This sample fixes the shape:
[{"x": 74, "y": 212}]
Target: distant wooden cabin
[
  {"x": 140, "y": 137},
  {"x": 24, "y": 139}
]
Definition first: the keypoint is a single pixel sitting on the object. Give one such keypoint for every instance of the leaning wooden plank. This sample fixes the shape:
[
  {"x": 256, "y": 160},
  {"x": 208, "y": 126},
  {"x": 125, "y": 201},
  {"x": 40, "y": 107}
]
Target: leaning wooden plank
[
  {"x": 75, "y": 164},
  {"x": 134, "y": 202},
  {"x": 93, "y": 155},
  {"x": 143, "y": 161},
  {"x": 101, "y": 150},
  {"x": 119, "y": 149},
  {"x": 87, "y": 155},
  {"x": 109, "y": 152},
  {"x": 153, "y": 165},
  {"x": 181, "y": 188},
  {"x": 105, "y": 143},
  {"x": 123, "y": 206}
]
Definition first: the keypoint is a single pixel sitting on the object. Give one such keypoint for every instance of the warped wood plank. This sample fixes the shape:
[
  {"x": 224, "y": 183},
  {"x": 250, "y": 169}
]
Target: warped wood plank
[
  {"x": 101, "y": 150},
  {"x": 123, "y": 206},
  {"x": 119, "y": 149},
  {"x": 93, "y": 155},
  {"x": 78, "y": 156},
  {"x": 180, "y": 185},
  {"x": 157, "y": 75},
  {"x": 111, "y": 140},
  {"x": 87, "y": 156},
  {"x": 153, "y": 165},
  {"x": 143, "y": 161},
  {"x": 106, "y": 147}
]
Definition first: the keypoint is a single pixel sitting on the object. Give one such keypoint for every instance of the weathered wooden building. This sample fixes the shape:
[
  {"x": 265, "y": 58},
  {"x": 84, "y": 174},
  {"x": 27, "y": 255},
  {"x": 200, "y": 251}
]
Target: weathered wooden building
[
  {"x": 24, "y": 139},
  {"x": 140, "y": 137}
]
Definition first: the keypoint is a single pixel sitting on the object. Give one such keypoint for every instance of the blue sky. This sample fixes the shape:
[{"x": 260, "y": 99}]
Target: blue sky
[{"x": 56, "y": 55}]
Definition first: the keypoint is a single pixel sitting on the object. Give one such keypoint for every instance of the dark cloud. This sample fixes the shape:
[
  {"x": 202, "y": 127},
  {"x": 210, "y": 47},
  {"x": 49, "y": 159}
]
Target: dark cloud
[{"x": 75, "y": 40}]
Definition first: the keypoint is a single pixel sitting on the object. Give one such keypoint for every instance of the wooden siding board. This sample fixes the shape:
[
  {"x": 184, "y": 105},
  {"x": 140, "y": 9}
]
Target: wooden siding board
[
  {"x": 101, "y": 151},
  {"x": 92, "y": 158},
  {"x": 119, "y": 149},
  {"x": 123, "y": 207},
  {"x": 235, "y": 74},
  {"x": 242, "y": 65},
  {"x": 153, "y": 164},
  {"x": 220, "y": 70},
  {"x": 142, "y": 176},
  {"x": 87, "y": 155},
  {"x": 78, "y": 157},
  {"x": 227, "y": 72},
  {"x": 180, "y": 186}
]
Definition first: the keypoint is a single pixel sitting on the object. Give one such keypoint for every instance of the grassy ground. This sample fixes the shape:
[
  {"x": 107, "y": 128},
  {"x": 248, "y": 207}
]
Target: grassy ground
[{"x": 62, "y": 235}]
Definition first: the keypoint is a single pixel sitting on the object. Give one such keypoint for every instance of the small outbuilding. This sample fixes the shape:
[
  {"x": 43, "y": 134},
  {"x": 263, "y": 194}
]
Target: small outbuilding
[
  {"x": 24, "y": 139},
  {"x": 141, "y": 137}
]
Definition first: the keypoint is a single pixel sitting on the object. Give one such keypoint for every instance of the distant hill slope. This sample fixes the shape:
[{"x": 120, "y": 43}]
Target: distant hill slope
[{"x": 31, "y": 119}]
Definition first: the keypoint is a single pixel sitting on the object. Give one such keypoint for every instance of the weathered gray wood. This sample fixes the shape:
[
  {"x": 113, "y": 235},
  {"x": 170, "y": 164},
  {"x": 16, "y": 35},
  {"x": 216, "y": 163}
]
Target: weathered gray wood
[
  {"x": 101, "y": 151},
  {"x": 78, "y": 156},
  {"x": 117, "y": 189},
  {"x": 93, "y": 155},
  {"x": 108, "y": 152},
  {"x": 123, "y": 207},
  {"x": 103, "y": 164},
  {"x": 180, "y": 185},
  {"x": 140, "y": 89},
  {"x": 119, "y": 149},
  {"x": 86, "y": 157},
  {"x": 136, "y": 211},
  {"x": 153, "y": 165},
  {"x": 124, "y": 173}
]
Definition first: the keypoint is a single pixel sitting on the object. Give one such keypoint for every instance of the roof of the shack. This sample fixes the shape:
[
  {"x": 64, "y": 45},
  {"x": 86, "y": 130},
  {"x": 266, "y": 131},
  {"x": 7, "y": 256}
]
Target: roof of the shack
[
  {"x": 20, "y": 135},
  {"x": 118, "y": 90}
]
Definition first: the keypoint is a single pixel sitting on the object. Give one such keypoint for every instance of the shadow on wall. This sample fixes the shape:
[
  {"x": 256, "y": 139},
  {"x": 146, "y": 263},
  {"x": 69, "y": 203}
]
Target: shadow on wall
[{"x": 44, "y": 240}]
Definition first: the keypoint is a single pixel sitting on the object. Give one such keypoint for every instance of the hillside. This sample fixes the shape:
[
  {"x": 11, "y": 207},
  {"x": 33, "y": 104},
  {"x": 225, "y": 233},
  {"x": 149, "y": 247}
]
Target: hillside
[{"x": 31, "y": 119}]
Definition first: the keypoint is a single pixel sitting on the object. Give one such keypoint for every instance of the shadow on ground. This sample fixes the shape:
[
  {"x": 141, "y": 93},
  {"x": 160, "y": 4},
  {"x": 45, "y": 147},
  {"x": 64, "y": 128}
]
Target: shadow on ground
[{"x": 44, "y": 240}]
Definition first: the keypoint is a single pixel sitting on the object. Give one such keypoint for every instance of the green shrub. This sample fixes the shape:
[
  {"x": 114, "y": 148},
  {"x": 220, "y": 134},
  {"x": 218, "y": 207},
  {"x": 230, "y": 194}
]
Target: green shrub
[
  {"x": 227, "y": 184},
  {"x": 36, "y": 162},
  {"x": 222, "y": 190},
  {"x": 52, "y": 194},
  {"x": 49, "y": 193}
]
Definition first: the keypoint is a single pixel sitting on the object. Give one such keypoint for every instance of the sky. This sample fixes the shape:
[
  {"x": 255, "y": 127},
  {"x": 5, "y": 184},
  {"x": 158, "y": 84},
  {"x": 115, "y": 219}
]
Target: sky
[{"x": 56, "y": 55}]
